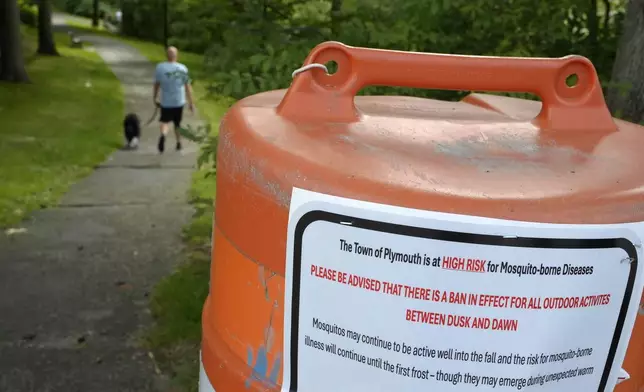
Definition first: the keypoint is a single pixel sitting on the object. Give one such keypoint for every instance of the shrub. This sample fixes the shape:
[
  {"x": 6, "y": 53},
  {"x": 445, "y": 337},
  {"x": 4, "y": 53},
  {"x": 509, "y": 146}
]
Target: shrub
[
  {"x": 28, "y": 13},
  {"x": 86, "y": 8}
]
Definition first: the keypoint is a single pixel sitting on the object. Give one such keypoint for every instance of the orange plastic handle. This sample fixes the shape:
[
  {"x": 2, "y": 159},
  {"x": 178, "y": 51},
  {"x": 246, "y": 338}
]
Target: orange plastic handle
[{"x": 316, "y": 96}]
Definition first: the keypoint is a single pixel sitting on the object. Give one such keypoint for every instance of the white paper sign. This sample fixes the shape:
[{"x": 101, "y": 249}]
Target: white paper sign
[{"x": 381, "y": 298}]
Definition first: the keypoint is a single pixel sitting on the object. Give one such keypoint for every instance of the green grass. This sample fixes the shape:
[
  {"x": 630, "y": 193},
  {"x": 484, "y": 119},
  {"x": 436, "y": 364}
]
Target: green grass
[
  {"x": 85, "y": 23},
  {"x": 56, "y": 129}
]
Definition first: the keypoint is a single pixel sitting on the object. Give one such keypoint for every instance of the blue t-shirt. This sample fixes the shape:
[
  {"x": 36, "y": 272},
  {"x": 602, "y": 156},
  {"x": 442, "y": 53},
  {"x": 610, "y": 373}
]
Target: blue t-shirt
[{"x": 172, "y": 78}]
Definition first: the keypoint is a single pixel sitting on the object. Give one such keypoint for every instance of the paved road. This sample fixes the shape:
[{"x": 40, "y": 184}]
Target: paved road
[{"x": 74, "y": 288}]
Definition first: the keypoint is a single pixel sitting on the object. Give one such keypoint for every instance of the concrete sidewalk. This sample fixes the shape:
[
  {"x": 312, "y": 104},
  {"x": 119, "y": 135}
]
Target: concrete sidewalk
[{"x": 74, "y": 288}]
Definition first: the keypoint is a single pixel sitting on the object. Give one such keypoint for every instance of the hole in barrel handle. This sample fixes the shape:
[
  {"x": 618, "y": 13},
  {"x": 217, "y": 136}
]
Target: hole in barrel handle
[
  {"x": 331, "y": 66},
  {"x": 572, "y": 80}
]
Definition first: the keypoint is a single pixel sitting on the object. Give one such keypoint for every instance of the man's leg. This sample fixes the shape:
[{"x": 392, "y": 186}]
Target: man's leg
[
  {"x": 166, "y": 117},
  {"x": 178, "y": 116}
]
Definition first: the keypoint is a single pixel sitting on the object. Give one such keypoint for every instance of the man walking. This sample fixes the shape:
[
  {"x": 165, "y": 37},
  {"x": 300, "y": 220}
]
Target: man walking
[{"x": 171, "y": 78}]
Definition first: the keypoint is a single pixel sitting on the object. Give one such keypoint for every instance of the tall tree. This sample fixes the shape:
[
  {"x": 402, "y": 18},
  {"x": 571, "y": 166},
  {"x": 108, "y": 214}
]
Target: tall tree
[
  {"x": 95, "y": 14},
  {"x": 166, "y": 35},
  {"x": 336, "y": 11},
  {"x": 628, "y": 70},
  {"x": 12, "y": 64},
  {"x": 593, "y": 28},
  {"x": 46, "y": 43}
]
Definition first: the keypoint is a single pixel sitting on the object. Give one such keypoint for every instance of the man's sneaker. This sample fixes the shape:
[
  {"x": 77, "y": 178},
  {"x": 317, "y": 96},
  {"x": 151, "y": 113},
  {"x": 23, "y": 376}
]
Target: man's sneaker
[
  {"x": 178, "y": 146},
  {"x": 161, "y": 145}
]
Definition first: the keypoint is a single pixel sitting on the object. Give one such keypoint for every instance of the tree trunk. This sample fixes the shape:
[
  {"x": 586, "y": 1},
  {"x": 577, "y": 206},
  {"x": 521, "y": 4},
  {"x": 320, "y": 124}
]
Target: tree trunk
[
  {"x": 12, "y": 64},
  {"x": 127, "y": 18},
  {"x": 95, "y": 14},
  {"x": 593, "y": 29},
  {"x": 625, "y": 97},
  {"x": 46, "y": 43},
  {"x": 336, "y": 11},
  {"x": 166, "y": 34}
]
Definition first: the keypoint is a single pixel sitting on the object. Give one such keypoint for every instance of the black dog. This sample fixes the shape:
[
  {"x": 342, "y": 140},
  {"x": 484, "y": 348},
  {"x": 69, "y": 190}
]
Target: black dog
[{"x": 132, "y": 130}]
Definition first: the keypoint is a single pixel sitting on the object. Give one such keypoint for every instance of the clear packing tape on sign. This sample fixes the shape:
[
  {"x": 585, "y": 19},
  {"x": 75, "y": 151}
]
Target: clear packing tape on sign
[{"x": 389, "y": 298}]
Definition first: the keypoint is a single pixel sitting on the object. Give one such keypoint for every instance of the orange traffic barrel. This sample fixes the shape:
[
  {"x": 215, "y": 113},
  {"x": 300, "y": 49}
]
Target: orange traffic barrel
[{"x": 398, "y": 243}]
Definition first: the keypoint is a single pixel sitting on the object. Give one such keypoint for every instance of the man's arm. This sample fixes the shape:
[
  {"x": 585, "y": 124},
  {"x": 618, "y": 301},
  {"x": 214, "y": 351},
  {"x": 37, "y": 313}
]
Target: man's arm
[
  {"x": 157, "y": 86},
  {"x": 191, "y": 105},
  {"x": 188, "y": 86},
  {"x": 155, "y": 94}
]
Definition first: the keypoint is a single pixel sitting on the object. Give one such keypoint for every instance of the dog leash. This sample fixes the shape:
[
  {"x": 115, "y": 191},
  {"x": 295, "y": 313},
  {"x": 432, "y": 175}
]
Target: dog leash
[
  {"x": 156, "y": 110},
  {"x": 154, "y": 115}
]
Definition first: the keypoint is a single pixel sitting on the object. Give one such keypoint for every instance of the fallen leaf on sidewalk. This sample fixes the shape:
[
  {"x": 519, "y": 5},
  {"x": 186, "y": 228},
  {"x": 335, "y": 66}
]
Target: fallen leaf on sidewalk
[
  {"x": 13, "y": 230},
  {"x": 154, "y": 362},
  {"x": 123, "y": 285}
]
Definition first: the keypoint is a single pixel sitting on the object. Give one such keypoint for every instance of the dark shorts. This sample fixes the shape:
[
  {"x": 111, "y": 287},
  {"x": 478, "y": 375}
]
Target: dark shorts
[{"x": 173, "y": 115}]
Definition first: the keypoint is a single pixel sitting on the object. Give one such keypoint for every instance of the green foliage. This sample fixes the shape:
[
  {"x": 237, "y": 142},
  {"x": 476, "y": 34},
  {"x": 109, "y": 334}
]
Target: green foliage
[
  {"x": 28, "y": 12},
  {"x": 86, "y": 7},
  {"x": 246, "y": 69},
  {"x": 144, "y": 19},
  {"x": 209, "y": 141},
  {"x": 254, "y": 45}
]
